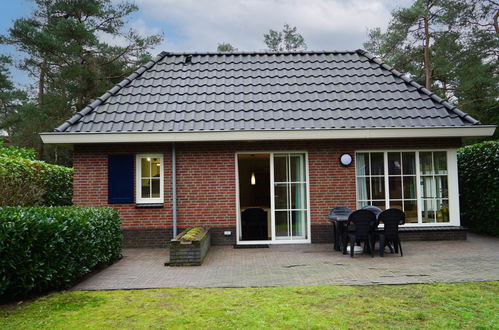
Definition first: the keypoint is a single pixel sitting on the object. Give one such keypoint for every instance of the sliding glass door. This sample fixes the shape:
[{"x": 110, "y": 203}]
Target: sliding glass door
[
  {"x": 272, "y": 203},
  {"x": 290, "y": 196}
]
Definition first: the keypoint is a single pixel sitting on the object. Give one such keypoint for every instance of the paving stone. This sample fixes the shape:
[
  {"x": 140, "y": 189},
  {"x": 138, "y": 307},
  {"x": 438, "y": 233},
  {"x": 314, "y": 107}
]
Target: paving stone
[{"x": 476, "y": 259}]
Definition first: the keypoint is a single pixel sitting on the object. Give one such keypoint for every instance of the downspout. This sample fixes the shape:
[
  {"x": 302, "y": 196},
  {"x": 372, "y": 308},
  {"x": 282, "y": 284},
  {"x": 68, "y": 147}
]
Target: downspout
[{"x": 174, "y": 189}]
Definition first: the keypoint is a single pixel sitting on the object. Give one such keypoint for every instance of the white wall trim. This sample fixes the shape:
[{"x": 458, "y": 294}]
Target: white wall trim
[
  {"x": 453, "y": 185},
  {"x": 72, "y": 138}
]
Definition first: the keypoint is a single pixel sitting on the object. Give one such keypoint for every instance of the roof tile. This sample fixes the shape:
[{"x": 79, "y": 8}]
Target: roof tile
[{"x": 265, "y": 91}]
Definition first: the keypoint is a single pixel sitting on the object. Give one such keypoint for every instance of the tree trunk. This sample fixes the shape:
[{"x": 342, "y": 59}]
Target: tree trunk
[
  {"x": 496, "y": 24},
  {"x": 427, "y": 64},
  {"x": 41, "y": 82},
  {"x": 44, "y": 64},
  {"x": 41, "y": 152}
]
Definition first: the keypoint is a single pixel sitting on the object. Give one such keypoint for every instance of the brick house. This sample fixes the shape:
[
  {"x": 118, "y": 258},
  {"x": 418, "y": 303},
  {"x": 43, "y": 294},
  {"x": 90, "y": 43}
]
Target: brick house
[{"x": 221, "y": 139}]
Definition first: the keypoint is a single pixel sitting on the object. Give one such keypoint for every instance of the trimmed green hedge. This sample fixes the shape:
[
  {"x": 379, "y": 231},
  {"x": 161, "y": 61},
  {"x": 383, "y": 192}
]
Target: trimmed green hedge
[
  {"x": 47, "y": 248},
  {"x": 479, "y": 187},
  {"x": 26, "y": 182},
  {"x": 15, "y": 151}
]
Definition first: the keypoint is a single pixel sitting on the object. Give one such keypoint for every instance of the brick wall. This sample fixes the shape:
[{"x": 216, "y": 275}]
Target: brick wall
[
  {"x": 90, "y": 183},
  {"x": 206, "y": 178}
]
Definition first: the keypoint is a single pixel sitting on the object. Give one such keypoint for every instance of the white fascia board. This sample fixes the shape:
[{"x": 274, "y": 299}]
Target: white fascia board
[{"x": 375, "y": 133}]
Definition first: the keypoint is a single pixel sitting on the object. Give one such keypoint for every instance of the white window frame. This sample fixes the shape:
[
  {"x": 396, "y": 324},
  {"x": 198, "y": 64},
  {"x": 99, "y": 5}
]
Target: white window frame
[
  {"x": 371, "y": 176},
  {"x": 138, "y": 177},
  {"x": 452, "y": 182},
  {"x": 272, "y": 201}
]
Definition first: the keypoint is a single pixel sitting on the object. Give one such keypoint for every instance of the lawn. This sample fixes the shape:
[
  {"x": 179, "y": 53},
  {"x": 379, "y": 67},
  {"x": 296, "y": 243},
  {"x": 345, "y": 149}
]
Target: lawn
[{"x": 459, "y": 305}]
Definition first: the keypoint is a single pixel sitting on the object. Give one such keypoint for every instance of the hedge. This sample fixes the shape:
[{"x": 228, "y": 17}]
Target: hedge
[
  {"x": 25, "y": 182},
  {"x": 15, "y": 151},
  {"x": 479, "y": 187},
  {"x": 48, "y": 248}
]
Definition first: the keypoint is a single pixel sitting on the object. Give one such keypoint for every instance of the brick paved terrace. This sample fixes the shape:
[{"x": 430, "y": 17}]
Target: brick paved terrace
[{"x": 476, "y": 259}]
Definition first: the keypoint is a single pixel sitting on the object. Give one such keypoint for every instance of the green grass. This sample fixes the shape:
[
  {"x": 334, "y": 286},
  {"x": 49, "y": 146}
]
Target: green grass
[{"x": 458, "y": 305}]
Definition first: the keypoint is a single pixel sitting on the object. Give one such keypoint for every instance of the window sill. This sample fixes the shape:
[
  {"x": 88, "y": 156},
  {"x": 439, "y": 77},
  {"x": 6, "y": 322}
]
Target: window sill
[{"x": 149, "y": 205}]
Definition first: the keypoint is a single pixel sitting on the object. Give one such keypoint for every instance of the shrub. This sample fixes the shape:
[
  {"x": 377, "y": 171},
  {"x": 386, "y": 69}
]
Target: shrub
[
  {"x": 14, "y": 151},
  {"x": 58, "y": 183},
  {"x": 26, "y": 182},
  {"x": 479, "y": 186},
  {"x": 46, "y": 248}
]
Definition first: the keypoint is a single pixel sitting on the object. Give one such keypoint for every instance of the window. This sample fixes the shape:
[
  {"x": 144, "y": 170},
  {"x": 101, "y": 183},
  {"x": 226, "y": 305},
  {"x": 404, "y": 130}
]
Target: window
[
  {"x": 371, "y": 179},
  {"x": 413, "y": 181},
  {"x": 402, "y": 183},
  {"x": 149, "y": 178}
]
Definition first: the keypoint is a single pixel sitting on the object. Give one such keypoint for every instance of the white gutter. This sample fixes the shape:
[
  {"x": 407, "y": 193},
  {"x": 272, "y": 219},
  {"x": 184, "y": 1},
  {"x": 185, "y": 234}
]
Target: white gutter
[{"x": 373, "y": 133}]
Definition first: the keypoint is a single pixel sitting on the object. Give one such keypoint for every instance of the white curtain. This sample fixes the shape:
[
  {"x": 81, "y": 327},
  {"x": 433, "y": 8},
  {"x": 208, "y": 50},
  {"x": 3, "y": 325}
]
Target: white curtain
[{"x": 361, "y": 161}]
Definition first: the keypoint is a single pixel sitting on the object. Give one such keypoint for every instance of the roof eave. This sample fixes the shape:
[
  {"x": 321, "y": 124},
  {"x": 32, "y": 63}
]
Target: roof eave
[{"x": 324, "y": 134}]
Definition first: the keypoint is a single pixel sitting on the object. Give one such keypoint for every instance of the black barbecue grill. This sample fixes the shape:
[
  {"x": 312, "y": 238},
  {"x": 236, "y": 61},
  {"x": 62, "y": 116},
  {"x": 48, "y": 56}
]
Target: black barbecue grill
[{"x": 340, "y": 213}]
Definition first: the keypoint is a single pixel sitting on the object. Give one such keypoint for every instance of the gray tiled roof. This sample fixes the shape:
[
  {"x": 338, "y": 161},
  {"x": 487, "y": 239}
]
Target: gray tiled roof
[{"x": 195, "y": 92}]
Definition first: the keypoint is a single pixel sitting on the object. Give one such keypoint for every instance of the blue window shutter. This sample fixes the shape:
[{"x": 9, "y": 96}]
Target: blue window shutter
[{"x": 120, "y": 179}]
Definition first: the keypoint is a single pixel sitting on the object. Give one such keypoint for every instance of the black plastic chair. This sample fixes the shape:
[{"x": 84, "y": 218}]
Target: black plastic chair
[
  {"x": 364, "y": 222},
  {"x": 254, "y": 224},
  {"x": 374, "y": 209},
  {"x": 391, "y": 218}
]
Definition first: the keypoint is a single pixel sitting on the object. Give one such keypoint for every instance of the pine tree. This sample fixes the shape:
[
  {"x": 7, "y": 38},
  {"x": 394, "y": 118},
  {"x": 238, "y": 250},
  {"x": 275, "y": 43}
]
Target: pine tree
[
  {"x": 286, "y": 40},
  {"x": 451, "y": 47},
  {"x": 10, "y": 97},
  {"x": 65, "y": 52},
  {"x": 407, "y": 43},
  {"x": 226, "y": 47}
]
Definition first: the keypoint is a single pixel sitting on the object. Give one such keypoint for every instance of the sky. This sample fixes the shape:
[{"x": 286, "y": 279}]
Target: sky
[{"x": 200, "y": 25}]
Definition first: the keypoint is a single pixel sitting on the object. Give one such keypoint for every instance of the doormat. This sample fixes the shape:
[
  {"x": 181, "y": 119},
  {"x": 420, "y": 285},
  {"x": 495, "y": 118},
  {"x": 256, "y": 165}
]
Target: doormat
[{"x": 251, "y": 246}]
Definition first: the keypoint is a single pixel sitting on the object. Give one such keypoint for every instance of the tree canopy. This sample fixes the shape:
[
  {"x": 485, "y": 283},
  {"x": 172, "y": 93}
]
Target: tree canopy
[
  {"x": 286, "y": 40},
  {"x": 226, "y": 47},
  {"x": 65, "y": 48},
  {"x": 10, "y": 97}
]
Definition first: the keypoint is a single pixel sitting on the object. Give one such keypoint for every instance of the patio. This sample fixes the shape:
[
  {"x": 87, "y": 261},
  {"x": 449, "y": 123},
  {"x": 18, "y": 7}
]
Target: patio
[{"x": 475, "y": 259}]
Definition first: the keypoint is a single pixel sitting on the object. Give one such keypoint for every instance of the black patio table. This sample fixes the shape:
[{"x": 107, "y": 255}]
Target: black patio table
[{"x": 339, "y": 218}]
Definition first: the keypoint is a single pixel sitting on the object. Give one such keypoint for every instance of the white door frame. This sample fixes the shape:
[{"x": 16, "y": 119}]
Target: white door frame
[{"x": 272, "y": 208}]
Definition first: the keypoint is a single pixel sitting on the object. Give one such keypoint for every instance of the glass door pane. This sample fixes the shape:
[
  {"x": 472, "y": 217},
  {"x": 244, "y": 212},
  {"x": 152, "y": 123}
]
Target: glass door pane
[
  {"x": 434, "y": 187},
  {"x": 290, "y": 202},
  {"x": 298, "y": 199},
  {"x": 296, "y": 164},
  {"x": 298, "y": 225},
  {"x": 281, "y": 223},
  {"x": 281, "y": 168},
  {"x": 281, "y": 201}
]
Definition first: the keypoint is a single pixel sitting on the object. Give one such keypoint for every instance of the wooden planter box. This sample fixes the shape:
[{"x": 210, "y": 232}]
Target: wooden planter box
[{"x": 189, "y": 252}]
